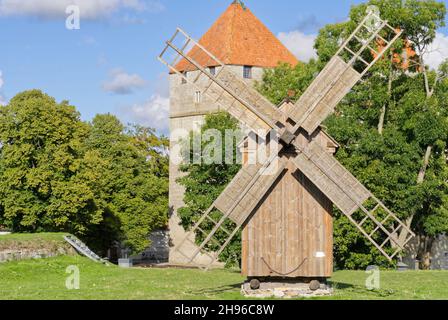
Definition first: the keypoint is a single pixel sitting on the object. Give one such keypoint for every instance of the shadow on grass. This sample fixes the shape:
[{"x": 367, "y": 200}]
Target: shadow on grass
[
  {"x": 341, "y": 285},
  {"x": 358, "y": 290},
  {"x": 216, "y": 290}
]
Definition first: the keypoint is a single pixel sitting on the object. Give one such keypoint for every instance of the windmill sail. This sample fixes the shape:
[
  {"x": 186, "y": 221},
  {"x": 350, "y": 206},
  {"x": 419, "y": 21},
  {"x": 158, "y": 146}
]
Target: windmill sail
[
  {"x": 244, "y": 193},
  {"x": 236, "y": 204},
  {"x": 328, "y": 89},
  {"x": 336, "y": 182},
  {"x": 223, "y": 87},
  {"x": 352, "y": 61},
  {"x": 349, "y": 195}
]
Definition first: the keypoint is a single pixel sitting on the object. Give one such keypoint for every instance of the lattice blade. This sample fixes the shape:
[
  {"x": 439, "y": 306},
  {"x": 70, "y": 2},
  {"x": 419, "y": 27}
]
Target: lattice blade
[
  {"x": 241, "y": 181},
  {"x": 246, "y": 191},
  {"x": 211, "y": 246},
  {"x": 329, "y": 88},
  {"x": 384, "y": 226},
  {"x": 357, "y": 55},
  {"x": 246, "y": 93},
  {"x": 223, "y": 87},
  {"x": 350, "y": 196},
  {"x": 336, "y": 182},
  {"x": 236, "y": 204}
]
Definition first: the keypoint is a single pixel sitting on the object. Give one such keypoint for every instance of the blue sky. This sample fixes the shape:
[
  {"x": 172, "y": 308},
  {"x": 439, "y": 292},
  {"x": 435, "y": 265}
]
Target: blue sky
[{"x": 110, "y": 64}]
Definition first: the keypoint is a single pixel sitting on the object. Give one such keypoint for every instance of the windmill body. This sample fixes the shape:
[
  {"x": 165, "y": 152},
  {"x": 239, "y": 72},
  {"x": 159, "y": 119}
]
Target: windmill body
[
  {"x": 291, "y": 230},
  {"x": 284, "y": 203}
]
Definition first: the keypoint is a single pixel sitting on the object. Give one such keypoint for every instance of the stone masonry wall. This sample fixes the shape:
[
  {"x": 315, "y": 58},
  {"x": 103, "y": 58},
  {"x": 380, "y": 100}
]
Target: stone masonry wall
[{"x": 439, "y": 253}]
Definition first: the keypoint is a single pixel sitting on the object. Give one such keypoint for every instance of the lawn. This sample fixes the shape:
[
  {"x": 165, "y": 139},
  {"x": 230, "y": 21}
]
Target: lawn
[{"x": 45, "y": 279}]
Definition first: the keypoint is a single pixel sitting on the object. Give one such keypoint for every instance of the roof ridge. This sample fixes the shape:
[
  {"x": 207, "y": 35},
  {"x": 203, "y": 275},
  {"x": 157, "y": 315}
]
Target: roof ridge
[{"x": 241, "y": 3}]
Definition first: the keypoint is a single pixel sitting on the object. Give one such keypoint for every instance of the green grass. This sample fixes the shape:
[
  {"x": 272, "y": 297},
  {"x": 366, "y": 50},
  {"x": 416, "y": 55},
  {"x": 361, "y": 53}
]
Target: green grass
[{"x": 45, "y": 279}]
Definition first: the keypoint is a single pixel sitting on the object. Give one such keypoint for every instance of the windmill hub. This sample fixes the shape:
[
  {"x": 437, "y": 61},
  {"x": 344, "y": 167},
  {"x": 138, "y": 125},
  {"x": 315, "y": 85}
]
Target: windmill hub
[{"x": 287, "y": 137}]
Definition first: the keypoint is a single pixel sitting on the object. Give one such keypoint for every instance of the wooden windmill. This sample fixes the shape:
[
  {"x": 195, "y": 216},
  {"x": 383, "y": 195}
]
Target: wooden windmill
[{"x": 284, "y": 204}]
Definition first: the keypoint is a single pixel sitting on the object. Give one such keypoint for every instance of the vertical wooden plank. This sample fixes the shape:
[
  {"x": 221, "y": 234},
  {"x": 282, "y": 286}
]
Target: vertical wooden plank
[
  {"x": 251, "y": 245},
  {"x": 305, "y": 233},
  {"x": 284, "y": 223},
  {"x": 301, "y": 207},
  {"x": 318, "y": 236},
  {"x": 315, "y": 232},
  {"x": 329, "y": 239},
  {"x": 265, "y": 221},
  {"x": 292, "y": 194},
  {"x": 281, "y": 231},
  {"x": 244, "y": 251},
  {"x": 257, "y": 249},
  {"x": 273, "y": 255},
  {"x": 298, "y": 231},
  {"x": 269, "y": 215}
]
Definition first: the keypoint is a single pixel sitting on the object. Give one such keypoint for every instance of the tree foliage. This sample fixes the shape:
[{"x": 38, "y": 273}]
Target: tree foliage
[
  {"x": 205, "y": 181},
  {"x": 94, "y": 180}
]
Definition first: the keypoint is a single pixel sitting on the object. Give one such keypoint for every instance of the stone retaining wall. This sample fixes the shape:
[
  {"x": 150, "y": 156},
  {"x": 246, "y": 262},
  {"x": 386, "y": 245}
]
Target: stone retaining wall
[{"x": 22, "y": 254}]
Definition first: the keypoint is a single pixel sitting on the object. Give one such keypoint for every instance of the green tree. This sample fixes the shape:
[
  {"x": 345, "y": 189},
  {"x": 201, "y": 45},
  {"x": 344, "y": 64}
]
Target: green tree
[
  {"x": 42, "y": 184},
  {"x": 98, "y": 181},
  {"x": 287, "y": 81},
  {"x": 205, "y": 181},
  {"x": 134, "y": 182}
]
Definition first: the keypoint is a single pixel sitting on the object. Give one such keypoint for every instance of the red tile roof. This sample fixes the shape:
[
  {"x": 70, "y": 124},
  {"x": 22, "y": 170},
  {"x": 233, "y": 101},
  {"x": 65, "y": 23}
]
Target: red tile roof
[{"x": 240, "y": 38}]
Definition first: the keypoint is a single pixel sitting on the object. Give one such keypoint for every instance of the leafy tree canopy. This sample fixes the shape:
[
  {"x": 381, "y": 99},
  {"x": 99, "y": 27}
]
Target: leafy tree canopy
[
  {"x": 96, "y": 180},
  {"x": 204, "y": 182}
]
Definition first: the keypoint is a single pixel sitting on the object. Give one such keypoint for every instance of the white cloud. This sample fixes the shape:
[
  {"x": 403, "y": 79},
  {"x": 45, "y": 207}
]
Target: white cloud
[
  {"x": 153, "y": 113},
  {"x": 438, "y": 51},
  {"x": 121, "y": 82},
  {"x": 300, "y": 44},
  {"x": 2, "y": 82},
  {"x": 90, "y": 9}
]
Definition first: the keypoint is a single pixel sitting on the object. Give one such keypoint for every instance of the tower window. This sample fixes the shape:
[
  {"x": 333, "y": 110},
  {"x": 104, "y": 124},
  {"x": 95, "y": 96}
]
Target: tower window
[
  {"x": 247, "y": 72},
  {"x": 212, "y": 71},
  {"x": 198, "y": 97},
  {"x": 184, "y": 81}
]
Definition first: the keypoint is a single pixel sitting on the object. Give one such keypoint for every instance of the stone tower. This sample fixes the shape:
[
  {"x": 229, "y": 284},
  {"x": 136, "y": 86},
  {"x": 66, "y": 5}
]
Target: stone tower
[{"x": 241, "y": 41}]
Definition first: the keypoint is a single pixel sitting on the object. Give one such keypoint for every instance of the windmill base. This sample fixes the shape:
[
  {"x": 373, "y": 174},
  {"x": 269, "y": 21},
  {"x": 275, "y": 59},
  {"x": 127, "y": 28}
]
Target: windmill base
[{"x": 287, "y": 288}]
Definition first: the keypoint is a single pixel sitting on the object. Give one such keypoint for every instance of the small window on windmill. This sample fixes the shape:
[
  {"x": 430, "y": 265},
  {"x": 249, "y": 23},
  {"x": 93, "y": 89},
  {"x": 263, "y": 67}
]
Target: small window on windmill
[
  {"x": 198, "y": 97},
  {"x": 184, "y": 76},
  {"x": 247, "y": 72},
  {"x": 212, "y": 71}
]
